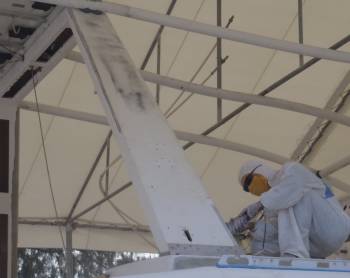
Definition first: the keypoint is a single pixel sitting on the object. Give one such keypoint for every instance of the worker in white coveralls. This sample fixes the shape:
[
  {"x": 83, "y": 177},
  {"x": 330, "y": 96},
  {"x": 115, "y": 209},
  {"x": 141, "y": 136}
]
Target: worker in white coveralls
[{"x": 302, "y": 218}]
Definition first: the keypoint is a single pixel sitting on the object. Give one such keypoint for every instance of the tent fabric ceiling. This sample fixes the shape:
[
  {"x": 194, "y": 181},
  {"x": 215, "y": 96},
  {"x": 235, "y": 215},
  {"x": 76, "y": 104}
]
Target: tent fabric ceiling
[{"x": 73, "y": 145}]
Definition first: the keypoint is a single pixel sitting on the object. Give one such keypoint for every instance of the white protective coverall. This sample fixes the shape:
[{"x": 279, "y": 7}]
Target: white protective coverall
[{"x": 310, "y": 220}]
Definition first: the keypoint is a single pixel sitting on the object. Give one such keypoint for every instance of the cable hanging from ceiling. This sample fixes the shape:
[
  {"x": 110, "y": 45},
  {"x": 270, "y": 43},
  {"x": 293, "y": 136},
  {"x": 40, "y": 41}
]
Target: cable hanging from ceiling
[
  {"x": 46, "y": 160},
  {"x": 64, "y": 91}
]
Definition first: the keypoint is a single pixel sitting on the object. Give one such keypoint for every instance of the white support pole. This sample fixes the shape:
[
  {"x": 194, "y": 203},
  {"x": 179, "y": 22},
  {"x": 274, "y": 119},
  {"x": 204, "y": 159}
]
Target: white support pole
[
  {"x": 69, "y": 252},
  {"x": 206, "y": 29},
  {"x": 14, "y": 196},
  {"x": 8, "y": 209},
  {"x": 182, "y": 218},
  {"x": 236, "y": 96},
  {"x": 44, "y": 221},
  {"x": 63, "y": 112},
  {"x": 228, "y": 145},
  {"x": 181, "y": 135},
  {"x": 335, "y": 166}
]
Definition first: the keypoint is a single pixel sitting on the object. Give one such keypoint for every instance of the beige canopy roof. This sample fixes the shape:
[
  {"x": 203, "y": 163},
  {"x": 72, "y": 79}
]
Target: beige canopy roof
[{"x": 73, "y": 145}]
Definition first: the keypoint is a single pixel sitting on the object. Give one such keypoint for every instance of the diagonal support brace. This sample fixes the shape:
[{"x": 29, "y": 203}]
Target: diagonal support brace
[{"x": 182, "y": 218}]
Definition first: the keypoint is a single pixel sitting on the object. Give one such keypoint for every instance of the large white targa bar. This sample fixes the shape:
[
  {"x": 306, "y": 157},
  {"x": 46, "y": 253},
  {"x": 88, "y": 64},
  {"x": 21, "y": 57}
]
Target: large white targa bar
[{"x": 182, "y": 218}]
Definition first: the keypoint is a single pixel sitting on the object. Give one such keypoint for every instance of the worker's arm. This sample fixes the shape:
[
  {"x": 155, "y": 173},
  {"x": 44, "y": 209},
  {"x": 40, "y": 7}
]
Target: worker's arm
[
  {"x": 241, "y": 222},
  {"x": 252, "y": 210},
  {"x": 238, "y": 224}
]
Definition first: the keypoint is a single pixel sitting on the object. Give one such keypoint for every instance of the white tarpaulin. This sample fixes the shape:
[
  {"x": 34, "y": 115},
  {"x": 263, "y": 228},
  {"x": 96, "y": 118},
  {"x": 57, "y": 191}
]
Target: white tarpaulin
[{"x": 73, "y": 145}]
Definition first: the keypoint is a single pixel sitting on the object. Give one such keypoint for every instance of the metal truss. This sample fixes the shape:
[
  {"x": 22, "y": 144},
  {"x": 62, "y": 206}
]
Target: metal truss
[
  {"x": 50, "y": 42},
  {"x": 238, "y": 96},
  {"x": 186, "y": 136},
  {"x": 334, "y": 103},
  {"x": 206, "y": 29},
  {"x": 75, "y": 56},
  {"x": 81, "y": 224},
  {"x": 47, "y": 35}
]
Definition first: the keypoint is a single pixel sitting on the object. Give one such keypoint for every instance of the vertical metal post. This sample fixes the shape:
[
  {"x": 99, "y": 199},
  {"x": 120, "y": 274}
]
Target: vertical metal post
[
  {"x": 158, "y": 69},
  {"x": 108, "y": 154},
  {"x": 301, "y": 31},
  {"x": 219, "y": 61},
  {"x": 69, "y": 250},
  {"x": 14, "y": 199},
  {"x": 88, "y": 177},
  {"x": 8, "y": 180}
]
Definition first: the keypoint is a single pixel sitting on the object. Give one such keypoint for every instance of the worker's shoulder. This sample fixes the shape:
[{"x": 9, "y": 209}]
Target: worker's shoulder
[{"x": 293, "y": 166}]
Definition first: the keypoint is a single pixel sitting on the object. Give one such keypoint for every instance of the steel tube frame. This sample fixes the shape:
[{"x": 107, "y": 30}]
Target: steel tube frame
[
  {"x": 187, "y": 136},
  {"x": 312, "y": 149},
  {"x": 336, "y": 166},
  {"x": 81, "y": 225},
  {"x": 225, "y": 145},
  {"x": 242, "y": 97},
  {"x": 63, "y": 112},
  {"x": 206, "y": 29},
  {"x": 77, "y": 57},
  {"x": 270, "y": 88},
  {"x": 111, "y": 195},
  {"x": 247, "y": 98},
  {"x": 88, "y": 177},
  {"x": 14, "y": 197},
  {"x": 108, "y": 154},
  {"x": 41, "y": 39},
  {"x": 300, "y": 28},
  {"x": 158, "y": 69},
  {"x": 270, "y": 156},
  {"x": 301, "y": 150},
  {"x": 69, "y": 252},
  {"x": 218, "y": 60},
  {"x": 8, "y": 187}
]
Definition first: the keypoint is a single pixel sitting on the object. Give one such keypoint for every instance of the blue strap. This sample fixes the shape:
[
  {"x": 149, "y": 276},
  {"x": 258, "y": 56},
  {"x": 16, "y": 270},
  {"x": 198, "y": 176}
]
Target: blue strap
[{"x": 328, "y": 193}]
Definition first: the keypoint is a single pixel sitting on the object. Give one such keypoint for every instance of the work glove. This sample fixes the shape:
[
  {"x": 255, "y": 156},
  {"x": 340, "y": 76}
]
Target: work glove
[
  {"x": 252, "y": 210},
  {"x": 238, "y": 224}
]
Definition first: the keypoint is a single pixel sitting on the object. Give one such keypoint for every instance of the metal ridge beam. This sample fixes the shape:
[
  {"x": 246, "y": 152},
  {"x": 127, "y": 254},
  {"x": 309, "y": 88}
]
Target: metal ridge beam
[
  {"x": 247, "y": 98},
  {"x": 237, "y": 96},
  {"x": 81, "y": 225}
]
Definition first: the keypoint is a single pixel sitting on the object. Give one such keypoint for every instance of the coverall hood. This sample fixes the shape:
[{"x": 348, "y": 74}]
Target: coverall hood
[{"x": 263, "y": 170}]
